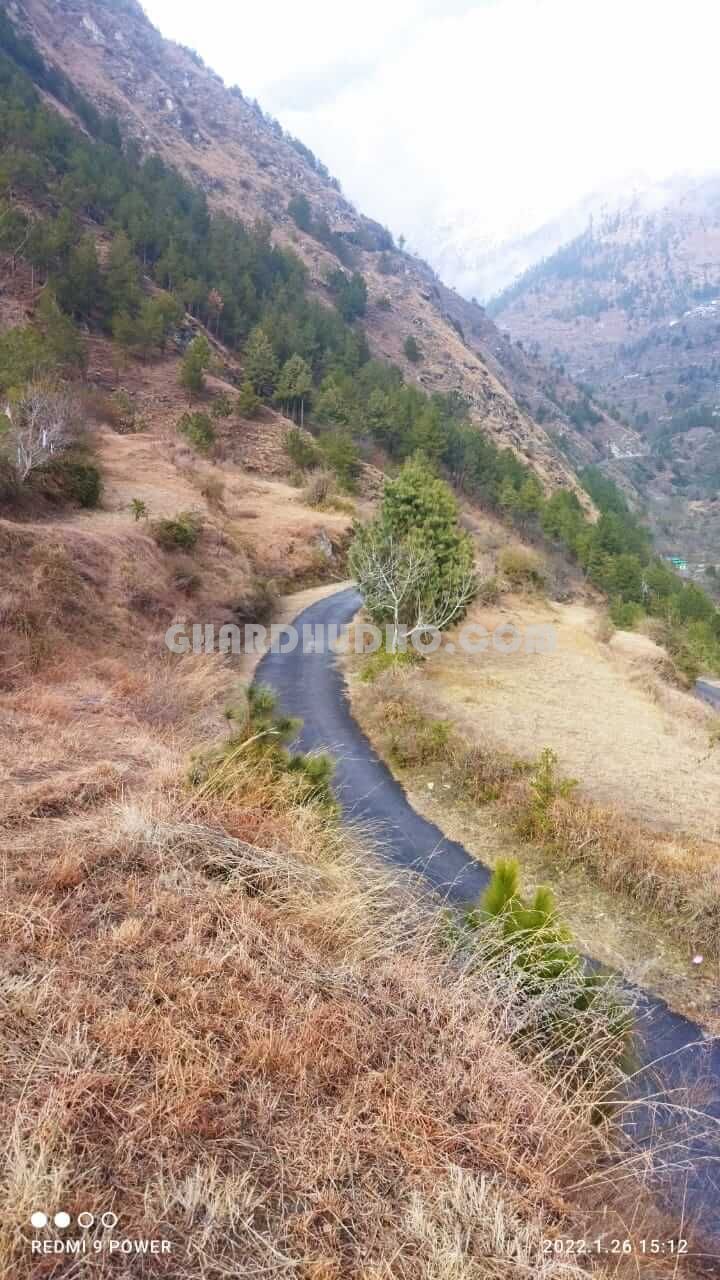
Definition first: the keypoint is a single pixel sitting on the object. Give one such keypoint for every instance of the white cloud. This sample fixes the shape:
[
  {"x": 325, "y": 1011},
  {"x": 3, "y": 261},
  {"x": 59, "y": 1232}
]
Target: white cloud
[{"x": 493, "y": 115}]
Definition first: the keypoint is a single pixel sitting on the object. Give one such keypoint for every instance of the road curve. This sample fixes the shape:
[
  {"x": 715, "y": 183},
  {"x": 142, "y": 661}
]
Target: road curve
[
  {"x": 311, "y": 687},
  {"x": 709, "y": 691}
]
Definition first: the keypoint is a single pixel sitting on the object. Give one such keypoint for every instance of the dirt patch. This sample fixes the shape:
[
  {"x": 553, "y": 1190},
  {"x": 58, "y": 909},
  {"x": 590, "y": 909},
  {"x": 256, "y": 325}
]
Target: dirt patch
[{"x": 631, "y": 741}]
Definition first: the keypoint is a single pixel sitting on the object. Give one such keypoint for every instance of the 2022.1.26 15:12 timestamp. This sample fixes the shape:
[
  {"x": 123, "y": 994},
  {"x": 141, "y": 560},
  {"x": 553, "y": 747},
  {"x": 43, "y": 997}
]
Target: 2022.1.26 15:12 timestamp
[{"x": 617, "y": 1245}]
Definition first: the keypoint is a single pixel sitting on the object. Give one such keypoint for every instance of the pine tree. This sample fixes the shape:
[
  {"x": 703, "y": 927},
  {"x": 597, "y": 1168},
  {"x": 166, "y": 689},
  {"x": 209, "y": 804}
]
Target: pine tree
[
  {"x": 79, "y": 288},
  {"x": 123, "y": 275},
  {"x": 294, "y": 386},
  {"x": 248, "y": 402},
  {"x": 418, "y": 504},
  {"x": 411, "y": 349},
  {"x": 195, "y": 363},
  {"x": 260, "y": 363}
]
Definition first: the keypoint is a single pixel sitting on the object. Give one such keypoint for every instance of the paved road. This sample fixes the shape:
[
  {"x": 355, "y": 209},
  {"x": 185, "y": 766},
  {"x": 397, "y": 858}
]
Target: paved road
[
  {"x": 708, "y": 692},
  {"x": 311, "y": 687}
]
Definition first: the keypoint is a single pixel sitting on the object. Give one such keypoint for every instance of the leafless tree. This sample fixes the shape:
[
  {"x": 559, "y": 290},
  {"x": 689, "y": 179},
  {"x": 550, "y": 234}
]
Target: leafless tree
[
  {"x": 446, "y": 608},
  {"x": 393, "y": 574},
  {"x": 43, "y": 422}
]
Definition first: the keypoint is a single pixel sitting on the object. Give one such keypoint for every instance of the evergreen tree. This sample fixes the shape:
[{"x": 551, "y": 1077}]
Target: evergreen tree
[
  {"x": 123, "y": 275},
  {"x": 419, "y": 505},
  {"x": 341, "y": 455},
  {"x": 294, "y": 386},
  {"x": 411, "y": 349},
  {"x": 248, "y": 402},
  {"x": 260, "y": 363},
  {"x": 196, "y": 362},
  {"x": 79, "y": 288}
]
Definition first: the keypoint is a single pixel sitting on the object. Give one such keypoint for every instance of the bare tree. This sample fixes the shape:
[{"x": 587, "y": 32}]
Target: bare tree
[
  {"x": 42, "y": 423},
  {"x": 446, "y": 607},
  {"x": 393, "y": 575}
]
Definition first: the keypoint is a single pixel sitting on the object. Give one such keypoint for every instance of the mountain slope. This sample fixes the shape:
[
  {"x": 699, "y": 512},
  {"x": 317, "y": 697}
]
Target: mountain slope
[
  {"x": 632, "y": 308},
  {"x": 166, "y": 99}
]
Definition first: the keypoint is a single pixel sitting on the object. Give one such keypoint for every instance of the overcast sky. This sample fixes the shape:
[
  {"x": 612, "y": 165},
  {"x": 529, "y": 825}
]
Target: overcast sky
[{"x": 487, "y": 115}]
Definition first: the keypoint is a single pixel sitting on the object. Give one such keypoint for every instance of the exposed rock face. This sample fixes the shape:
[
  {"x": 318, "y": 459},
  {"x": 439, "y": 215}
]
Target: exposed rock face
[
  {"x": 171, "y": 103},
  {"x": 632, "y": 307}
]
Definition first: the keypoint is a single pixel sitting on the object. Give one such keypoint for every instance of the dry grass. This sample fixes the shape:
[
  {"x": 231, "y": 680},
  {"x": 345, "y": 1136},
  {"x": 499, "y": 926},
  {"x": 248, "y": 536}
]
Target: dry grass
[
  {"x": 677, "y": 878},
  {"x": 244, "y": 1039},
  {"x": 633, "y": 741},
  {"x": 220, "y": 1019}
]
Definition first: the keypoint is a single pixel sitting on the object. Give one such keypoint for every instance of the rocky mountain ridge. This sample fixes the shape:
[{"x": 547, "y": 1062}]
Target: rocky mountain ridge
[{"x": 169, "y": 102}]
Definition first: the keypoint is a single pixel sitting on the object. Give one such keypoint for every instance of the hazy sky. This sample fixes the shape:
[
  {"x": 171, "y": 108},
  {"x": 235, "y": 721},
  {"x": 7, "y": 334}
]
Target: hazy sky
[{"x": 493, "y": 115}]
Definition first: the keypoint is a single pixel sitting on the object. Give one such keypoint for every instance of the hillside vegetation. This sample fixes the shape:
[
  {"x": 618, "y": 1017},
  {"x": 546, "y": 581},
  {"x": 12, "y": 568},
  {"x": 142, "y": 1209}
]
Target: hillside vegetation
[{"x": 223, "y": 1019}]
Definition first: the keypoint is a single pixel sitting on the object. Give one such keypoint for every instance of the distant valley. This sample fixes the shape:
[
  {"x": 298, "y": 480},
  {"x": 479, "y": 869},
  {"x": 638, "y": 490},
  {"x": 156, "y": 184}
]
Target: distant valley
[{"x": 630, "y": 309}]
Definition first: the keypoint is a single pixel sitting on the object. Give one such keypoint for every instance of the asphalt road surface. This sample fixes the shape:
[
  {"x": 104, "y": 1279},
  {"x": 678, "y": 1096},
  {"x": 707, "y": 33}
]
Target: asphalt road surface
[{"x": 675, "y": 1052}]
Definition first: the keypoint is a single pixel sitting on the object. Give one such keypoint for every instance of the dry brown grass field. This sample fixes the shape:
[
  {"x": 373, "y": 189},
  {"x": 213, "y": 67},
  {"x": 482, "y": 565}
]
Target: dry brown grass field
[
  {"x": 628, "y": 737},
  {"x": 221, "y": 1020},
  {"x": 632, "y": 853}
]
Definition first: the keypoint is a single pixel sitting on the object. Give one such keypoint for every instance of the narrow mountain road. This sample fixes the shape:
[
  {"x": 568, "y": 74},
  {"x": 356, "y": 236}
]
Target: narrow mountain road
[
  {"x": 709, "y": 691},
  {"x": 675, "y": 1051}
]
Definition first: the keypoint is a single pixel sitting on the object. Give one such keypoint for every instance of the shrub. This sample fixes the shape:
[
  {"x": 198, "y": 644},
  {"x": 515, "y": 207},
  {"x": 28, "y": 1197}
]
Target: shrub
[
  {"x": 341, "y": 455},
  {"x": 257, "y": 601},
  {"x": 124, "y": 415},
  {"x": 624, "y": 614},
  {"x": 521, "y": 567},
  {"x": 534, "y": 822},
  {"x": 531, "y": 938},
  {"x": 260, "y": 734},
  {"x": 198, "y": 429},
  {"x": 212, "y": 489},
  {"x": 70, "y": 478},
  {"x": 178, "y": 532},
  {"x": 376, "y": 664},
  {"x": 319, "y": 489},
  {"x": 412, "y": 350},
  {"x": 301, "y": 449},
  {"x": 489, "y": 591},
  {"x": 139, "y": 509},
  {"x": 248, "y": 402},
  {"x": 222, "y": 406},
  {"x": 484, "y": 774},
  {"x": 416, "y": 740},
  {"x": 196, "y": 362}
]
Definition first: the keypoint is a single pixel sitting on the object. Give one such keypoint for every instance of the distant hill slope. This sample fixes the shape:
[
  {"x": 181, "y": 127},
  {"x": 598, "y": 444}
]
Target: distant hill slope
[
  {"x": 166, "y": 98},
  {"x": 632, "y": 309}
]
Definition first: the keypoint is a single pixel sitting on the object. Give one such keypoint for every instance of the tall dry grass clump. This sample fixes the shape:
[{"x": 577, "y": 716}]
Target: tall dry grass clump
[{"x": 228, "y": 1024}]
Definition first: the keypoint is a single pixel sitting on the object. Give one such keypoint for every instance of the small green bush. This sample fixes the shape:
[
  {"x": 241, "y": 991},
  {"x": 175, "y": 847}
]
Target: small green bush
[
  {"x": 341, "y": 455},
  {"x": 376, "y": 664},
  {"x": 138, "y": 509},
  {"x": 412, "y": 350},
  {"x": 624, "y": 615},
  {"x": 199, "y": 430},
  {"x": 180, "y": 532},
  {"x": 534, "y": 822},
  {"x": 222, "y": 406},
  {"x": 301, "y": 449},
  {"x": 580, "y": 1013},
  {"x": 70, "y": 477},
  {"x": 521, "y": 567},
  {"x": 260, "y": 734}
]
